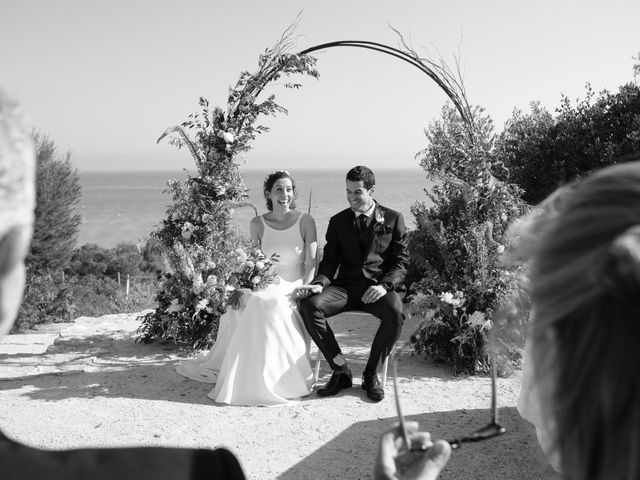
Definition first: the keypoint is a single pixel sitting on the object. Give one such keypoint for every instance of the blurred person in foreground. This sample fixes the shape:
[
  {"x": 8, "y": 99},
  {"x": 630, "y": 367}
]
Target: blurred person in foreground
[
  {"x": 581, "y": 381},
  {"x": 17, "y": 202}
]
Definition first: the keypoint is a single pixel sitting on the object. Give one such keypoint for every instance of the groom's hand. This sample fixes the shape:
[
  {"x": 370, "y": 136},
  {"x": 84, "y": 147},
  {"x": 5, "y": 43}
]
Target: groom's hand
[{"x": 373, "y": 294}]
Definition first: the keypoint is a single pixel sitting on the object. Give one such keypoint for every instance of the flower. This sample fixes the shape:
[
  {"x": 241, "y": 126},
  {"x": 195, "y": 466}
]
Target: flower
[
  {"x": 256, "y": 280},
  {"x": 228, "y": 137},
  {"x": 380, "y": 216},
  {"x": 198, "y": 284},
  {"x": 500, "y": 249},
  {"x": 175, "y": 306},
  {"x": 476, "y": 319},
  {"x": 220, "y": 190},
  {"x": 446, "y": 297},
  {"x": 242, "y": 256},
  {"x": 453, "y": 300},
  {"x": 259, "y": 265},
  {"x": 212, "y": 280},
  {"x": 249, "y": 264},
  {"x": 187, "y": 230},
  {"x": 202, "y": 304}
]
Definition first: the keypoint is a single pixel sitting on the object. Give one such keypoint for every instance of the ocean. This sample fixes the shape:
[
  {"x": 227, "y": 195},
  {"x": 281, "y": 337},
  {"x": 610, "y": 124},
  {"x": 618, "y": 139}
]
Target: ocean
[{"x": 125, "y": 207}]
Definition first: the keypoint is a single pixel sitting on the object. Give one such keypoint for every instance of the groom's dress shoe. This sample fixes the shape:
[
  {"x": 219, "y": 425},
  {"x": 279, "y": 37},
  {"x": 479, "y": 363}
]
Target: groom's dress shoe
[
  {"x": 371, "y": 385},
  {"x": 339, "y": 381}
]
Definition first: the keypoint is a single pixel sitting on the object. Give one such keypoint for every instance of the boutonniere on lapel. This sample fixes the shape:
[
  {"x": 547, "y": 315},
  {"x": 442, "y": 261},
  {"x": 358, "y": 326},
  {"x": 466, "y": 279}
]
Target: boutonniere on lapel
[{"x": 379, "y": 226}]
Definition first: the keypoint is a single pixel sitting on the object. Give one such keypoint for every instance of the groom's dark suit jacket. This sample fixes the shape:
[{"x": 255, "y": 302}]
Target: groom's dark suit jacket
[
  {"x": 21, "y": 462},
  {"x": 383, "y": 260}
]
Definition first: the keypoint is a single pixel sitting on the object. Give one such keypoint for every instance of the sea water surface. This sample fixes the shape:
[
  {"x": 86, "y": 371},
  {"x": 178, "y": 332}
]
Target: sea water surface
[{"x": 119, "y": 207}]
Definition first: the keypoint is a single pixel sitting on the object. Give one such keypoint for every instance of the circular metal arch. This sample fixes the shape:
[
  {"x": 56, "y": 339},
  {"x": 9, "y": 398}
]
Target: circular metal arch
[{"x": 456, "y": 97}]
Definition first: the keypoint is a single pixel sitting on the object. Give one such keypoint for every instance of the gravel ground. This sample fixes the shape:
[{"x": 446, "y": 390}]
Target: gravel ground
[{"x": 87, "y": 383}]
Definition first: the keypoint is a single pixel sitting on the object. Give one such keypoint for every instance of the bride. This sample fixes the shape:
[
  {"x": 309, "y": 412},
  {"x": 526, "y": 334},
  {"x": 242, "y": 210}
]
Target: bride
[{"x": 261, "y": 355}]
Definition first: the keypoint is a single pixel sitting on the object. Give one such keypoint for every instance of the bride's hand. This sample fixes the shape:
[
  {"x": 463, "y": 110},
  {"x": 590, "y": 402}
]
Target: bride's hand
[
  {"x": 304, "y": 291},
  {"x": 244, "y": 298}
]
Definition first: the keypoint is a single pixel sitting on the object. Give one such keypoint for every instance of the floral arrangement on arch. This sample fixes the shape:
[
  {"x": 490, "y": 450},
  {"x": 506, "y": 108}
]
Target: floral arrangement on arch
[
  {"x": 460, "y": 280},
  {"x": 203, "y": 249}
]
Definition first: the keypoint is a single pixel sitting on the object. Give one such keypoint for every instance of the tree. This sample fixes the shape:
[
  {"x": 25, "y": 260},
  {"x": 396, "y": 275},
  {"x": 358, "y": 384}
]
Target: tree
[
  {"x": 56, "y": 223},
  {"x": 542, "y": 152}
]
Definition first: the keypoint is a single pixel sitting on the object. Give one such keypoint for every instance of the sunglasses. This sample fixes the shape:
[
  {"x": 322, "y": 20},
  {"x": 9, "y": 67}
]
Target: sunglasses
[{"x": 491, "y": 430}]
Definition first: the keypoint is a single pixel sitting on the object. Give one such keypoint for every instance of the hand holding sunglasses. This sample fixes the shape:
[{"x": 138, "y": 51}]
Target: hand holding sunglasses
[{"x": 394, "y": 461}]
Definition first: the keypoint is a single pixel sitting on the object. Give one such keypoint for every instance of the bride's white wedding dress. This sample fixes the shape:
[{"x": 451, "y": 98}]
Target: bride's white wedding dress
[{"x": 261, "y": 355}]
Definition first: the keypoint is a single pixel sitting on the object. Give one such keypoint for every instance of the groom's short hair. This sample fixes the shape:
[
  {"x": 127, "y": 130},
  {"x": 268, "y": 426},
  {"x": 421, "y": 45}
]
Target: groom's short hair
[{"x": 362, "y": 173}]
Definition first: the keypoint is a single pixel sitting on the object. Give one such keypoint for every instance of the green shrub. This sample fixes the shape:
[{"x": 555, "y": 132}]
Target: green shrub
[
  {"x": 96, "y": 296},
  {"x": 543, "y": 152},
  {"x": 47, "y": 299},
  {"x": 459, "y": 278},
  {"x": 51, "y": 298},
  {"x": 126, "y": 259}
]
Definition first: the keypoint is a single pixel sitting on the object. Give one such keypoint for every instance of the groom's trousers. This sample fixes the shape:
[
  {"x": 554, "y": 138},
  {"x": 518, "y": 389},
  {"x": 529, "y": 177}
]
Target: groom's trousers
[{"x": 335, "y": 299}]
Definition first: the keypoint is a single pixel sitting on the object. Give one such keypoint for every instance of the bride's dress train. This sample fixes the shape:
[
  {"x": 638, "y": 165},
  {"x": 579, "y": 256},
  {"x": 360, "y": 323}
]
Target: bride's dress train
[
  {"x": 261, "y": 355},
  {"x": 205, "y": 367}
]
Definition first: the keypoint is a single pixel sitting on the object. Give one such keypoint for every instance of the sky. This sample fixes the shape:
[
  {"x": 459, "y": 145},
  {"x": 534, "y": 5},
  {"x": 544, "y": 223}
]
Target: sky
[{"x": 105, "y": 78}]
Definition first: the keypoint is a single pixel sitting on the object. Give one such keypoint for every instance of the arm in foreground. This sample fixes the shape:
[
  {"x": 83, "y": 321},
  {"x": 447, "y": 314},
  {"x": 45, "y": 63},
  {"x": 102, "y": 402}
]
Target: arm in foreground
[{"x": 395, "y": 462}]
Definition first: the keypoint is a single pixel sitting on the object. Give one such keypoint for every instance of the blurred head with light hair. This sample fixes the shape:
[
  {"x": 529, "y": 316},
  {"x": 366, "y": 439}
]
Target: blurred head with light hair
[
  {"x": 17, "y": 203},
  {"x": 584, "y": 247}
]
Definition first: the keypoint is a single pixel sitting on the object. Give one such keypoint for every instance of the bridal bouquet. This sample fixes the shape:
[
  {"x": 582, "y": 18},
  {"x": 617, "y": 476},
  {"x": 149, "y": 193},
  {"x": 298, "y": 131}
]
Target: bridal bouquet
[{"x": 254, "y": 272}]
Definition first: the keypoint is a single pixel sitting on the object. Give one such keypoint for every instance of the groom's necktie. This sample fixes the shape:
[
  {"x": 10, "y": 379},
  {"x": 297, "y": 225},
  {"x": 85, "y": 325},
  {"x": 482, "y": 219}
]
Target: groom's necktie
[{"x": 361, "y": 223}]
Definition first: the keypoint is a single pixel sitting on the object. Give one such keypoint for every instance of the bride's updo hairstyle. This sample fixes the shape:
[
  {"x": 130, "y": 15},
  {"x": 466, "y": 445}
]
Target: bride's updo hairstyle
[
  {"x": 270, "y": 181},
  {"x": 585, "y": 291}
]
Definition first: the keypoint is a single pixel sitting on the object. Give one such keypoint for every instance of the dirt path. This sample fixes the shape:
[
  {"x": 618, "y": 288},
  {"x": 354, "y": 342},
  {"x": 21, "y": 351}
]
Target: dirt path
[{"x": 88, "y": 384}]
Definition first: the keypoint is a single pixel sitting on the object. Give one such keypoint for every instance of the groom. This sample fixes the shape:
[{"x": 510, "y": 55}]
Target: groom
[{"x": 363, "y": 264}]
